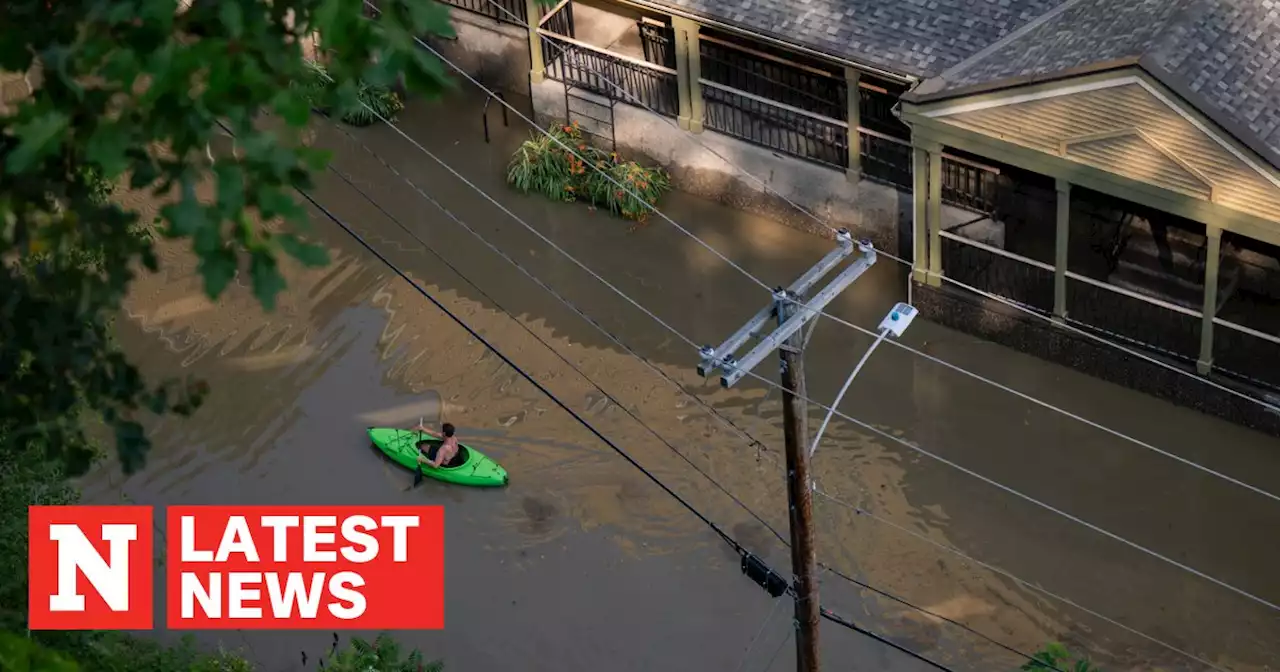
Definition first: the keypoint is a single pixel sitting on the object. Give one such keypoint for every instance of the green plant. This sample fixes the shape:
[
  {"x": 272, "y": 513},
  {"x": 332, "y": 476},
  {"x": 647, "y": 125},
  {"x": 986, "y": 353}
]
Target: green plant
[
  {"x": 133, "y": 94},
  {"x": 383, "y": 654},
  {"x": 543, "y": 165},
  {"x": 1056, "y": 656},
  {"x": 376, "y": 103},
  {"x": 372, "y": 102}
]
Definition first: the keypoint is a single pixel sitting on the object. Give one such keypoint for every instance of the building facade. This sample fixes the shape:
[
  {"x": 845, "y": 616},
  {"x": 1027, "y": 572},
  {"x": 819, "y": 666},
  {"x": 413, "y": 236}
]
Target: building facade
[{"x": 1060, "y": 172}]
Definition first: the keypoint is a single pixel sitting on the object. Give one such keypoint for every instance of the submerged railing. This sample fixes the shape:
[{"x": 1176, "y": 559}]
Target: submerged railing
[{"x": 1114, "y": 312}]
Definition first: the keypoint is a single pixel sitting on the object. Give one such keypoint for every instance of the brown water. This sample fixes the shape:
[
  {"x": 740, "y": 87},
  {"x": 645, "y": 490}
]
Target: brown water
[{"x": 583, "y": 563}]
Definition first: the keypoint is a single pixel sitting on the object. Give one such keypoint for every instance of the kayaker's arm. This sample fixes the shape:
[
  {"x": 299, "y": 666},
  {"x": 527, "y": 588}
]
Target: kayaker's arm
[{"x": 422, "y": 428}]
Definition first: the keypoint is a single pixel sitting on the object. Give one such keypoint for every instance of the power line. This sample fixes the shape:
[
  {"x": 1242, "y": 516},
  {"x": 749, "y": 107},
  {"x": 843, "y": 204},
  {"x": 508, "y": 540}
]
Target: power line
[
  {"x": 836, "y": 618},
  {"x": 632, "y": 99},
  {"x": 752, "y": 644},
  {"x": 769, "y": 665},
  {"x": 1003, "y": 572},
  {"x": 556, "y": 400},
  {"x": 860, "y": 423},
  {"x": 714, "y": 411},
  {"x": 801, "y": 305},
  {"x": 444, "y": 260},
  {"x": 567, "y": 303}
]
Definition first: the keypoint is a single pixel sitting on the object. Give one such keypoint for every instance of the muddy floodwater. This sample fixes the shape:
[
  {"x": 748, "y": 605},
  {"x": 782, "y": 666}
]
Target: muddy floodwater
[{"x": 582, "y": 563}]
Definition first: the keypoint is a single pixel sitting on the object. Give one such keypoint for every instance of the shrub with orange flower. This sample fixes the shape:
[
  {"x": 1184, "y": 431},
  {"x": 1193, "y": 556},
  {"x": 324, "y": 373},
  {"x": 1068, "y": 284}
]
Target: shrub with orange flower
[{"x": 563, "y": 165}]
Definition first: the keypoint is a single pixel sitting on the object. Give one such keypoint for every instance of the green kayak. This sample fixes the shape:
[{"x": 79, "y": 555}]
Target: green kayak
[{"x": 468, "y": 467}]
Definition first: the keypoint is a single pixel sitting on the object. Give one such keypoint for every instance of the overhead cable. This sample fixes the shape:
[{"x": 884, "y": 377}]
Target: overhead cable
[
  {"x": 631, "y": 99},
  {"x": 803, "y": 306},
  {"x": 875, "y": 430},
  {"x": 582, "y": 421},
  {"x": 616, "y": 340},
  {"x": 1020, "y": 581}
]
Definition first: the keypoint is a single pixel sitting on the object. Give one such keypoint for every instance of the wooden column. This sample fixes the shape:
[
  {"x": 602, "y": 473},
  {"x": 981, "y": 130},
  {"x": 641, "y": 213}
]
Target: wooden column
[
  {"x": 688, "y": 71},
  {"x": 1061, "y": 241},
  {"x": 934, "y": 209},
  {"x": 919, "y": 212},
  {"x": 537, "y": 68},
  {"x": 696, "y": 102},
  {"x": 1213, "y": 255},
  {"x": 852, "y": 78}
]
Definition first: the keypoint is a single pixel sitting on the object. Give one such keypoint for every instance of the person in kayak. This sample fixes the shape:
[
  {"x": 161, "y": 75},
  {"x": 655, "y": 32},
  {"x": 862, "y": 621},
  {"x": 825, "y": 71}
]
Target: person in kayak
[{"x": 433, "y": 454}]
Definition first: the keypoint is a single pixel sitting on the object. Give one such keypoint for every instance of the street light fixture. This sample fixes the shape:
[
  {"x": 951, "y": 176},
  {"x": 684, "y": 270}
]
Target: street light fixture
[{"x": 895, "y": 323}]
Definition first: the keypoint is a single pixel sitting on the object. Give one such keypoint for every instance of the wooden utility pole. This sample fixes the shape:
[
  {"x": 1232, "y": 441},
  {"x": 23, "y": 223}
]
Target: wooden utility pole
[
  {"x": 804, "y": 556},
  {"x": 788, "y": 339}
]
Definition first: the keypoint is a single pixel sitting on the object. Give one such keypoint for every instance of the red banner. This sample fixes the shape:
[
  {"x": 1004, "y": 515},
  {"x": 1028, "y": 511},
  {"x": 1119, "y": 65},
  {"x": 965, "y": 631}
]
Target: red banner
[{"x": 240, "y": 567}]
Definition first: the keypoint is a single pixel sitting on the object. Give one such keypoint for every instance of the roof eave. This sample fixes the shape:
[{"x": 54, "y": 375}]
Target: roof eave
[
  {"x": 923, "y": 93},
  {"x": 669, "y": 7}
]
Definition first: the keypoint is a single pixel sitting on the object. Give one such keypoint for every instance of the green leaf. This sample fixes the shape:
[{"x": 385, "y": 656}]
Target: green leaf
[
  {"x": 231, "y": 199},
  {"x": 37, "y": 139},
  {"x": 232, "y": 17},
  {"x": 430, "y": 18},
  {"x": 107, "y": 147},
  {"x": 308, "y": 254},
  {"x": 292, "y": 106},
  {"x": 145, "y": 172},
  {"x": 217, "y": 268},
  {"x": 186, "y": 216},
  {"x": 267, "y": 280}
]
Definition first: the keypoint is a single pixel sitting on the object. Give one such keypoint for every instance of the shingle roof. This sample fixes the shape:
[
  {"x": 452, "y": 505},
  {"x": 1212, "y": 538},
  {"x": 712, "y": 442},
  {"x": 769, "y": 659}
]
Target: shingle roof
[
  {"x": 1222, "y": 56},
  {"x": 920, "y": 38}
]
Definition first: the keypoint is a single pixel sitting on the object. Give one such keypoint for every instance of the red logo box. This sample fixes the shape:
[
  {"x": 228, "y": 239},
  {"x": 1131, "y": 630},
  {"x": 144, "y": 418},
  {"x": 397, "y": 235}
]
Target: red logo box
[
  {"x": 305, "y": 567},
  {"x": 90, "y": 567}
]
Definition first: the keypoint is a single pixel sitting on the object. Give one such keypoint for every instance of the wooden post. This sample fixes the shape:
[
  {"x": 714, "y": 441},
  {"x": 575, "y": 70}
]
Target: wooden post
[
  {"x": 680, "y": 31},
  {"x": 1213, "y": 255},
  {"x": 537, "y": 66},
  {"x": 920, "y": 212},
  {"x": 853, "y": 101},
  {"x": 935, "y": 215},
  {"x": 696, "y": 103},
  {"x": 804, "y": 561},
  {"x": 1061, "y": 242}
]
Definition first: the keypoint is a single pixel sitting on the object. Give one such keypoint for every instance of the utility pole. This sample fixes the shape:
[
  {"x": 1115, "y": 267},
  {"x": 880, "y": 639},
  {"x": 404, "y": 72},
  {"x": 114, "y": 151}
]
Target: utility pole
[
  {"x": 804, "y": 554},
  {"x": 788, "y": 339}
]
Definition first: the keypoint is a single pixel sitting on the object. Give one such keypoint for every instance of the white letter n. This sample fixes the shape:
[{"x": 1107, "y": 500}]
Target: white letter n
[{"x": 110, "y": 579}]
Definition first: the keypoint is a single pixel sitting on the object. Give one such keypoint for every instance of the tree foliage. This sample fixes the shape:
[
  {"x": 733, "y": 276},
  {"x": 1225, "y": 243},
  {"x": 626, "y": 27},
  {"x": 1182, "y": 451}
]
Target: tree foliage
[
  {"x": 131, "y": 93},
  {"x": 383, "y": 654}
]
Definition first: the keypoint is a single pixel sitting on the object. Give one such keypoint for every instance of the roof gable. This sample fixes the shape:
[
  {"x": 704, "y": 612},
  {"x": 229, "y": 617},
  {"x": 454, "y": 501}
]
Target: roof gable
[
  {"x": 1129, "y": 127},
  {"x": 1222, "y": 56},
  {"x": 1136, "y": 154},
  {"x": 917, "y": 38}
]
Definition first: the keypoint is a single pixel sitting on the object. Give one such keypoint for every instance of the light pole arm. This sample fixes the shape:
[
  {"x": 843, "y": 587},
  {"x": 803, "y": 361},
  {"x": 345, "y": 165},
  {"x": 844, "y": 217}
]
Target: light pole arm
[{"x": 836, "y": 404}]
